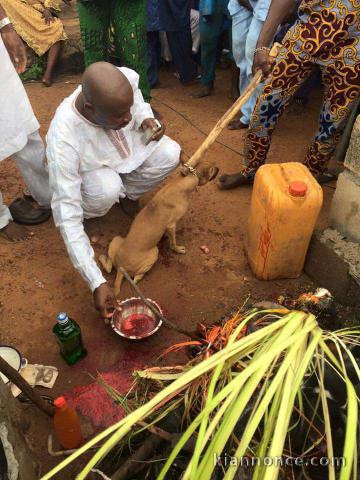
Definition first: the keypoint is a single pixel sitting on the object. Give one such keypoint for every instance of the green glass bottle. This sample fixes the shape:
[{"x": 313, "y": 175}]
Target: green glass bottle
[{"x": 68, "y": 335}]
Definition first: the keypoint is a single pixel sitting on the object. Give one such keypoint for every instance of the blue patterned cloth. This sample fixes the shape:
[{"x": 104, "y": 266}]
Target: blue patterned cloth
[{"x": 153, "y": 16}]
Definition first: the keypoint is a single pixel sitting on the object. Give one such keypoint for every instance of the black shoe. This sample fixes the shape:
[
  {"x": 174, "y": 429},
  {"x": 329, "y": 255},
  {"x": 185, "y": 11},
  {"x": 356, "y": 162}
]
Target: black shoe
[
  {"x": 130, "y": 207},
  {"x": 326, "y": 177}
]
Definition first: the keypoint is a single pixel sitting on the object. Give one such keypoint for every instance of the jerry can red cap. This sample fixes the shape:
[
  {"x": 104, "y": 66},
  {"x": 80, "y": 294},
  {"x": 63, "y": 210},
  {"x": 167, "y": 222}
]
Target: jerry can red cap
[
  {"x": 298, "y": 189},
  {"x": 60, "y": 402}
]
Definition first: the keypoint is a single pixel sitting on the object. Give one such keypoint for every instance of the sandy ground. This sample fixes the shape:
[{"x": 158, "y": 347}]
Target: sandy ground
[{"x": 38, "y": 280}]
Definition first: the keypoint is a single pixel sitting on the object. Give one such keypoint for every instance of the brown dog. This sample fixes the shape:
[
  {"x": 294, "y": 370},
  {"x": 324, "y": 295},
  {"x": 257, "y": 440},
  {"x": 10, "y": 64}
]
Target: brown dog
[{"x": 138, "y": 252}]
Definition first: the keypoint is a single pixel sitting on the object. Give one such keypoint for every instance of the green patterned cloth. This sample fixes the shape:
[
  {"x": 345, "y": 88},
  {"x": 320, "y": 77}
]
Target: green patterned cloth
[{"x": 116, "y": 28}]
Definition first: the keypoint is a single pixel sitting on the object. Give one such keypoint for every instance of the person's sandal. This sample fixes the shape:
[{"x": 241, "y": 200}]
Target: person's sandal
[{"x": 24, "y": 213}]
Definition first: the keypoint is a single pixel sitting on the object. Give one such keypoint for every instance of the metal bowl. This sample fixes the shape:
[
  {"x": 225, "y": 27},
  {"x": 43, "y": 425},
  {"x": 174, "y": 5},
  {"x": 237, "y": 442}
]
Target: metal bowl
[{"x": 134, "y": 320}]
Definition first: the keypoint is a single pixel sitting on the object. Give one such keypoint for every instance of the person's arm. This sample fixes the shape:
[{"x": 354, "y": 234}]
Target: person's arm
[
  {"x": 66, "y": 204},
  {"x": 278, "y": 11},
  {"x": 13, "y": 43},
  {"x": 141, "y": 110}
]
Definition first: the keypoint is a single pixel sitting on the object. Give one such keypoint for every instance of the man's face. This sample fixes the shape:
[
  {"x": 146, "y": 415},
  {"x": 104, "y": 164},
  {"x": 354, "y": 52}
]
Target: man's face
[
  {"x": 112, "y": 120},
  {"x": 114, "y": 116}
]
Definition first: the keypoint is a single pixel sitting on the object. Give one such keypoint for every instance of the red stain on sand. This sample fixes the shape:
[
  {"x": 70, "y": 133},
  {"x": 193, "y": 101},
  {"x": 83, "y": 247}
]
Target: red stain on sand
[{"x": 95, "y": 403}]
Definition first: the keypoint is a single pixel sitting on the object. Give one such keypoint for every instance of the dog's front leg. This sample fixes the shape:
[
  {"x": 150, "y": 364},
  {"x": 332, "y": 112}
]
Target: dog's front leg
[{"x": 171, "y": 233}]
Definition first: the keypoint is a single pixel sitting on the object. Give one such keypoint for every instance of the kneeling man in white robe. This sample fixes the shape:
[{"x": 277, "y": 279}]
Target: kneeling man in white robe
[{"x": 97, "y": 156}]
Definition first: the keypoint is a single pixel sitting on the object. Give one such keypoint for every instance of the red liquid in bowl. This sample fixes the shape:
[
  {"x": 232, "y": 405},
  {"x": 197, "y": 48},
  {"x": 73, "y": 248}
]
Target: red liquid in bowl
[{"x": 137, "y": 325}]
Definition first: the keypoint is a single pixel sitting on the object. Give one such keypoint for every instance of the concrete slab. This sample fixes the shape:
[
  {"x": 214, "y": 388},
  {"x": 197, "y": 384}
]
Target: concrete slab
[
  {"x": 345, "y": 210},
  {"x": 327, "y": 265},
  {"x": 352, "y": 159}
]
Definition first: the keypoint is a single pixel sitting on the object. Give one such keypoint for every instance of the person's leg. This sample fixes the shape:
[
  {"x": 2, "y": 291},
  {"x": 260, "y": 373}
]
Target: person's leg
[
  {"x": 251, "y": 41},
  {"x": 180, "y": 44},
  {"x": 210, "y": 32},
  {"x": 342, "y": 89},
  {"x": 240, "y": 27},
  {"x": 129, "y": 22},
  {"x": 153, "y": 57},
  {"x": 52, "y": 59},
  {"x": 154, "y": 170},
  {"x": 94, "y": 24},
  {"x": 31, "y": 163},
  {"x": 100, "y": 189},
  {"x": 289, "y": 72}
]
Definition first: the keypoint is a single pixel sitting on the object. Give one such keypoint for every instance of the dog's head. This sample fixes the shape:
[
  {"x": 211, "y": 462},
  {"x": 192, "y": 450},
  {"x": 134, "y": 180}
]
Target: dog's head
[{"x": 206, "y": 174}]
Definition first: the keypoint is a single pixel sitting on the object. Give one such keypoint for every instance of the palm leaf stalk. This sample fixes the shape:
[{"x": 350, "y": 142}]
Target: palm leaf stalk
[{"x": 262, "y": 372}]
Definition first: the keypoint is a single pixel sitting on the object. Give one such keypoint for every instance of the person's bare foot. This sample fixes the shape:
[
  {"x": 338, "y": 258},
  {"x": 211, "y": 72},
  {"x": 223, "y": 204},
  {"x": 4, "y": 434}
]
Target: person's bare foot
[
  {"x": 205, "y": 91},
  {"x": 237, "y": 125},
  {"x": 15, "y": 233},
  {"x": 47, "y": 81},
  {"x": 227, "y": 182}
]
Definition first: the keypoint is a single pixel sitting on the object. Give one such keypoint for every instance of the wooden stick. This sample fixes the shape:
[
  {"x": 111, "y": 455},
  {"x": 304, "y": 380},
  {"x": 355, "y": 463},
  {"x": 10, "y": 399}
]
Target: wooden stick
[
  {"x": 137, "y": 461},
  {"x": 156, "y": 311},
  {"x": 227, "y": 117},
  {"x": 15, "y": 377}
]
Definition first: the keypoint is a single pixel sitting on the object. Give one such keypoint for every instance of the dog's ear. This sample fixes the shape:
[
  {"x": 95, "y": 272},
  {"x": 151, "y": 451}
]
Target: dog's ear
[
  {"x": 213, "y": 172},
  {"x": 208, "y": 174}
]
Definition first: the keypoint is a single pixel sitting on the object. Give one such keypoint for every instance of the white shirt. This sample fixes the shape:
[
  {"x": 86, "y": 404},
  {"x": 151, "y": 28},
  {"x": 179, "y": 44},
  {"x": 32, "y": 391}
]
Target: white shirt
[
  {"x": 75, "y": 146},
  {"x": 17, "y": 119}
]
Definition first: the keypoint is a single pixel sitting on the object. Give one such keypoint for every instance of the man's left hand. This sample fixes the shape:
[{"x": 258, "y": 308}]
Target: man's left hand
[{"x": 151, "y": 123}]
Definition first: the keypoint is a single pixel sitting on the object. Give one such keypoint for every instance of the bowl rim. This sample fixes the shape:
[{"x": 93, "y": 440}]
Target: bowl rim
[{"x": 134, "y": 337}]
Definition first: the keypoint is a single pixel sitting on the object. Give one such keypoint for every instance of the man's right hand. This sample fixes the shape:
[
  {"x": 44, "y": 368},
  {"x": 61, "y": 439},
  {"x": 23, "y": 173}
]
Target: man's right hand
[
  {"x": 263, "y": 62},
  {"x": 104, "y": 300},
  {"x": 15, "y": 48},
  {"x": 246, "y": 4}
]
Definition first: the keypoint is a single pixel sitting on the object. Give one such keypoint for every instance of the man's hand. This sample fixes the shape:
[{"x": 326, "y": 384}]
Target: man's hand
[
  {"x": 15, "y": 47},
  {"x": 246, "y": 4},
  {"x": 48, "y": 16},
  {"x": 151, "y": 123},
  {"x": 263, "y": 62},
  {"x": 104, "y": 300}
]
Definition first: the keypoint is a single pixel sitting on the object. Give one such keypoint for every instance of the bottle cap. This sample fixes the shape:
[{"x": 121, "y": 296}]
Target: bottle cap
[
  {"x": 62, "y": 317},
  {"x": 60, "y": 402},
  {"x": 298, "y": 189}
]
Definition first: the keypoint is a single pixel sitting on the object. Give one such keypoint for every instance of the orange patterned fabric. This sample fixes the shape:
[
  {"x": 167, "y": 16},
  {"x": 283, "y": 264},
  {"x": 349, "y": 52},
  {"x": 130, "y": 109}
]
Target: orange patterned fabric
[{"x": 328, "y": 35}]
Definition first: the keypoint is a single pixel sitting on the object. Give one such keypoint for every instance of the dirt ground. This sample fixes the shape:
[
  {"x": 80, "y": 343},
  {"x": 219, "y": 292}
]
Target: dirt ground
[{"x": 38, "y": 280}]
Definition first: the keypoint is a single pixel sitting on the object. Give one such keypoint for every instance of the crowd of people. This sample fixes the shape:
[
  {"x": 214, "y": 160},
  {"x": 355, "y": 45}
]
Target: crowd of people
[{"x": 96, "y": 152}]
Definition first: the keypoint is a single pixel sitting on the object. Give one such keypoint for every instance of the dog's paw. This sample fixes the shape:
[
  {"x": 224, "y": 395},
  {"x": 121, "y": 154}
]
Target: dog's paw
[{"x": 179, "y": 249}]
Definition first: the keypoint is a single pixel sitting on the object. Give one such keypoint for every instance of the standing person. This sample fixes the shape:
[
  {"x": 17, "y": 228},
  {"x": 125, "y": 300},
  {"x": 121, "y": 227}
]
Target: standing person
[
  {"x": 97, "y": 157},
  {"x": 213, "y": 14},
  {"x": 326, "y": 35},
  {"x": 248, "y": 17},
  {"x": 175, "y": 19},
  {"x": 122, "y": 22},
  {"x": 153, "y": 41},
  {"x": 36, "y": 23},
  {"x": 19, "y": 137}
]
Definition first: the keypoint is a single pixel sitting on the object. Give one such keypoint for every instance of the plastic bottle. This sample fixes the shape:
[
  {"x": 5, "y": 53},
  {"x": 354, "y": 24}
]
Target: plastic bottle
[
  {"x": 286, "y": 201},
  {"x": 68, "y": 335},
  {"x": 67, "y": 425}
]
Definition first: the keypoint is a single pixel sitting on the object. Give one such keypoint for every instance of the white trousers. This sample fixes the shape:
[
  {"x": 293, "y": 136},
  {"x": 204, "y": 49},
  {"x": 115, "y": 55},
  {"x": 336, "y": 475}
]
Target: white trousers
[
  {"x": 31, "y": 163},
  {"x": 103, "y": 187}
]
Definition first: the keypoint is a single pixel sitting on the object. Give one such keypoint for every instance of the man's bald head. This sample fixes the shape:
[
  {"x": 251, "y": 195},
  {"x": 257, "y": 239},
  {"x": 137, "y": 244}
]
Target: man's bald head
[{"x": 108, "y": 96}]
